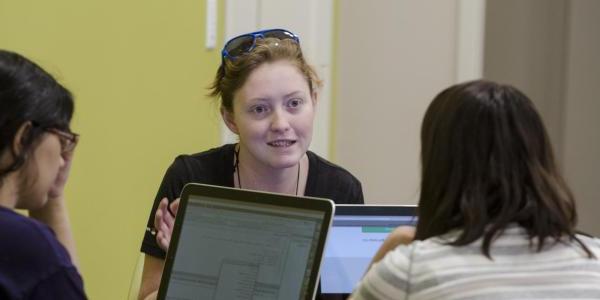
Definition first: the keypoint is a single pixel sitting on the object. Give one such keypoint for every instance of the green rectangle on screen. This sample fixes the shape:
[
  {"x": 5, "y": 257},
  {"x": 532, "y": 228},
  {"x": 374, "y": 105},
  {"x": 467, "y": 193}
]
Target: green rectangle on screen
[{"x": 376, "y": 229}]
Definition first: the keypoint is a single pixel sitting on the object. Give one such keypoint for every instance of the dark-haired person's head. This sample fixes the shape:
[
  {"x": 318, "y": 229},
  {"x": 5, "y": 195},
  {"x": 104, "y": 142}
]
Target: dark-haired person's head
[
  {"x": 487, "y": 163},
  {"x": 35, "y": 112}
]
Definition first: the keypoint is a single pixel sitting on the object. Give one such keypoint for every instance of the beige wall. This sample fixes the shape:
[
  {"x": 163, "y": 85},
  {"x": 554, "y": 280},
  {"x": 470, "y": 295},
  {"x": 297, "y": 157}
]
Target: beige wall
[
  {"x": 549, "y": 49},
  {"x": 392, "y": 57},
  {"x": 581, "y": 148},
  {"x": 525, "y": 46}
]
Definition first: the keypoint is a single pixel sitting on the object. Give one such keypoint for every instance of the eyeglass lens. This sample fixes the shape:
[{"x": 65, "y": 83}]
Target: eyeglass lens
[
  {"x": 66, "y": 144},
  {"x": 240, "y": 45},
  {"x": 280, "y": 34},
  {"x": 68, "y": 140}
]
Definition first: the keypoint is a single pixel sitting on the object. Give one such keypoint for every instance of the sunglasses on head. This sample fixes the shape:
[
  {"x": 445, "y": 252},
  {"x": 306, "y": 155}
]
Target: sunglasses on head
[{"x": 246, "y": 42}]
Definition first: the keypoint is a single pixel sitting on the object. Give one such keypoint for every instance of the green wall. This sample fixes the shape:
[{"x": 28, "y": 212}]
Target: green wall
[{"x": 139, "y": 72}]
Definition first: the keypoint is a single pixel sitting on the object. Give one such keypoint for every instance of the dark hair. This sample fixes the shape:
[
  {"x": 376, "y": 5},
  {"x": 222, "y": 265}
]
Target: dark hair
[
  {"x": 486, "y": 163},
  {"x": 28, "y": 94},
  {"x": 232, "y": 74}
]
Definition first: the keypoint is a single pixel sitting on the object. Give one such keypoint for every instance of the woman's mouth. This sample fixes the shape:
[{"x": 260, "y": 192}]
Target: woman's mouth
[{"x": 281, "y": 143}]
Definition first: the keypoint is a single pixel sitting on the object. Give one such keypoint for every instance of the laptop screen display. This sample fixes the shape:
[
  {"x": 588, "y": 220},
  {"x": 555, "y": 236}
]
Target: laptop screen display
[
  {"x": 353, "y": 241},
  {"x": 243, "y": 250}
]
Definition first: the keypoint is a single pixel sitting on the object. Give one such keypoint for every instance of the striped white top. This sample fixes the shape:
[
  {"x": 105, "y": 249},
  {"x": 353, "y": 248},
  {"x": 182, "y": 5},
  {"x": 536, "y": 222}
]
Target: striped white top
[{"x": 432, "y": 270}]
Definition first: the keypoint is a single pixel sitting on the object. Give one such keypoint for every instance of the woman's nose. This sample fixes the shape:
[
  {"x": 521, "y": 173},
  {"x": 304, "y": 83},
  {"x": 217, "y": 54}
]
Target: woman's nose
[{"x": 279, "y": 121}]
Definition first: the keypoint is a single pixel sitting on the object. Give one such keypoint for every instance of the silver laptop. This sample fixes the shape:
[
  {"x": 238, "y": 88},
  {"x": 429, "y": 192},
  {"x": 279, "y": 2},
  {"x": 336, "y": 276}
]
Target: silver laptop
[
  {"x": 236, "y": 244},
  {"x": 355, "y": 236}
]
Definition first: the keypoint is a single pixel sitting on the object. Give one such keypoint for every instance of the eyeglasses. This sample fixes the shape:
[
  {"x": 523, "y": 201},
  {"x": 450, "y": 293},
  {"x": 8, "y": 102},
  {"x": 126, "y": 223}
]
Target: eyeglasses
[
  {"x": 68, "y": 140},
  {"x": 245, "y": 43}
]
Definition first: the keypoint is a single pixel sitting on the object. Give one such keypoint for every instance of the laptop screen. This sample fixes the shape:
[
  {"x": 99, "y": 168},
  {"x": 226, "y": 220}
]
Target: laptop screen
[
  {"x": 230, "y": 249},
  {"x": 356, "y": 234}
]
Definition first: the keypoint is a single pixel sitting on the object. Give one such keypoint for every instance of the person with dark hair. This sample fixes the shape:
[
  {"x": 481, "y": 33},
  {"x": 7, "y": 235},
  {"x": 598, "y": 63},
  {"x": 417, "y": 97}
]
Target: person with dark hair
[
  {"x": 496, "y": 218},
  {"x": 268, "y": 96},
  {"x": 37, "y": 254}
]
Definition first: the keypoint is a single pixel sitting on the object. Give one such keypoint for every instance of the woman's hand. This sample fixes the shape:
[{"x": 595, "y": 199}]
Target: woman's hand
[
  {"x": 164, "y": 219},
  {"x": 54, "y": 211},
  {"x": 152, "y": 296},
  {"x": 57, "y": 189}
]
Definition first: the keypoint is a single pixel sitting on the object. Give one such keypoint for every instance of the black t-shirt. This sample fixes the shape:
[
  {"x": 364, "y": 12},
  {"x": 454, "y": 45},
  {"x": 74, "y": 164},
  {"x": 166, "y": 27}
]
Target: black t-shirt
[{"x": 215, "y": 167}]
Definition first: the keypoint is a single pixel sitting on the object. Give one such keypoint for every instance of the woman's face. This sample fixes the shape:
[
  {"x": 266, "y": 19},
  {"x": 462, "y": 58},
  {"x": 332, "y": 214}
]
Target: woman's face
[
  {"x": 40, "y": 172},
  {"x": 273, "y": 115}
]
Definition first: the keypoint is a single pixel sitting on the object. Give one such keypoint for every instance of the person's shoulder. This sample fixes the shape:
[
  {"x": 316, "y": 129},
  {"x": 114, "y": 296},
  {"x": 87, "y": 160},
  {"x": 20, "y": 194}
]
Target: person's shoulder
[
  {"x": 30, "y": 240},
  {"x": 416, "y": 248},
  {"x": 432, "y": 250},
  {"x": 326, "y": 168},
  {"x": 587, "y": 237},
  {"x": 205, "y": 163},
  {"x": 30, "y": 246},
  {"x": 213, "y": 155},
  {"x": 33, "y": 256},
  {"x": 328, "y": 180},
  {"x": 593, "y": 243},
  {"x": 19, "y": 228},
  {"x": 415, "y": 257}
]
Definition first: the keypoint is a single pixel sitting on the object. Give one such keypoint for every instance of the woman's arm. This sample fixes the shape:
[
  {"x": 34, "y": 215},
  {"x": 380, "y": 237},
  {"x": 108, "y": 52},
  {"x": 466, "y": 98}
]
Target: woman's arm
[
  {"x": 54, "y": 213},
  {"x": 151, "y": 275},
  {"x": 402, "y": 235},
  {"x": 153, "y": 267}
]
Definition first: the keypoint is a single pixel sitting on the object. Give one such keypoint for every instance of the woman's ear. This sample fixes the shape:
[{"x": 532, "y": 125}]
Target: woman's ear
[
  {"x": 315, "y": 97},
  {"x": 19, "y": 139},
  {"x": 229, "y": 120}
]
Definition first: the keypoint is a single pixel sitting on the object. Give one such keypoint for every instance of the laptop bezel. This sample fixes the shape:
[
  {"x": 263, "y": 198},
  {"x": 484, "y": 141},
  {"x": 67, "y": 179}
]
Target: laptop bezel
[{"x": 273, "y": 199}]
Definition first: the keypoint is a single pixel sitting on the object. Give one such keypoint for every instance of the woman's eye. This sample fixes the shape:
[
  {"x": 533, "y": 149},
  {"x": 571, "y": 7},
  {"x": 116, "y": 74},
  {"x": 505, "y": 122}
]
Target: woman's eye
[
  {"x": 294, "y": 103},
  {"x": 258, "y": 109}
]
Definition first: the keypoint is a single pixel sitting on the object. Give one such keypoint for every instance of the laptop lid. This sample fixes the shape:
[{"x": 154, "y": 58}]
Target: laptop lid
[
  {"x": 237, "y": 244},
  {"x": 355, "y": 236}
]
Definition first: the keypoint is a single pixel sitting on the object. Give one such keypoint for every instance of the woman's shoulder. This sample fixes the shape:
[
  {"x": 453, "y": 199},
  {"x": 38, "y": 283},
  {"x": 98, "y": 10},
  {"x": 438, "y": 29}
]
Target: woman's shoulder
[
  {"x": 31, "y": 241},
  {"x": 213, "y": 155},
  {"x": 39, "y": 265},
  {"x": 417, "y": 248},
  {"x": 422, "y": 252},
  {"x": 593, "y": 243},
  {"x": 13, "y": 225},
  {"x": 206, "y": 164},
  {"x": 325, "y": 168},
  {"x": 328, "y": 180}
]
